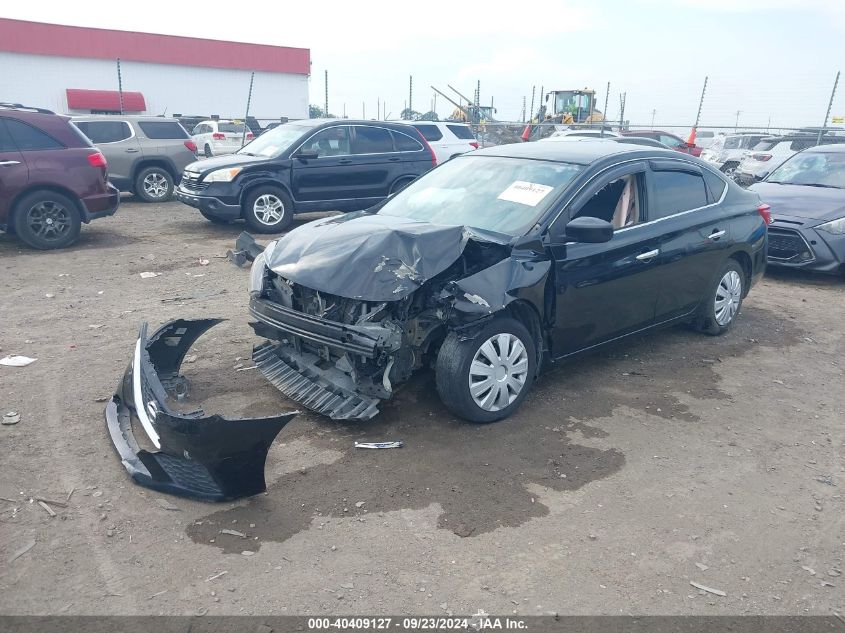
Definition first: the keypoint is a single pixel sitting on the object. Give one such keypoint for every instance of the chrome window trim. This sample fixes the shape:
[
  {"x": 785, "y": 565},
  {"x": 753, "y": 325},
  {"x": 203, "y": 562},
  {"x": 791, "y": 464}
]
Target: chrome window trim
[{"x": 387, "y": 129}]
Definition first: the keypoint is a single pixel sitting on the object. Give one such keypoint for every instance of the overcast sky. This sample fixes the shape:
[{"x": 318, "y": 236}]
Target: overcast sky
[{"x": 770, "y": 59}]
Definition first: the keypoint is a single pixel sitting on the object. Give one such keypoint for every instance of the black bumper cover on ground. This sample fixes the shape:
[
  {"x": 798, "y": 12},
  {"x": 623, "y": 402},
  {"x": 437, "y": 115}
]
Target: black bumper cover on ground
[{"x": 205, "y": 457}]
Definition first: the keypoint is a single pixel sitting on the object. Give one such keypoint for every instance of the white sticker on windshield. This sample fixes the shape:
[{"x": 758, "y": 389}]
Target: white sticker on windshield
[{"x": 528, "y": 193}]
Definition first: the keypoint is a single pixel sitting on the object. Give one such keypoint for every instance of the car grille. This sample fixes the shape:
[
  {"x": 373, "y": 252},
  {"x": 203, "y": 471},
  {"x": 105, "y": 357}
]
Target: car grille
[
  {"x": 788, "y": 246},
  {"x": 191, "y": 182}
]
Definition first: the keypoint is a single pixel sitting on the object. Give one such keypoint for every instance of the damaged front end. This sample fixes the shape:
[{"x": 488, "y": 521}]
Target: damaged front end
[
  {"x": 212, "y": 458},
  {"x": 350, "y": 309}
]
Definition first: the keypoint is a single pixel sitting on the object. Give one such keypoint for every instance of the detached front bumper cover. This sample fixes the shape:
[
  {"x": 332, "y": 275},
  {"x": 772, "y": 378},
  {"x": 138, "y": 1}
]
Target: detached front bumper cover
[{"x": 205, "y": 457}]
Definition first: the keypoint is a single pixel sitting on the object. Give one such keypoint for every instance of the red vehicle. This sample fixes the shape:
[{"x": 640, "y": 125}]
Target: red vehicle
[
  {"x": 675, "y": 142},
  {"x": 52, "y": 179}
]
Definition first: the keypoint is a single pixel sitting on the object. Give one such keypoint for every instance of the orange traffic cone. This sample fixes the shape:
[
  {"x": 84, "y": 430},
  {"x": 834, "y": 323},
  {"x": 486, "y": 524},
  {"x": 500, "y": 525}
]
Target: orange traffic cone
[
  {"x": 526, "y": 133},
  {"x": 691, "y": 139}
]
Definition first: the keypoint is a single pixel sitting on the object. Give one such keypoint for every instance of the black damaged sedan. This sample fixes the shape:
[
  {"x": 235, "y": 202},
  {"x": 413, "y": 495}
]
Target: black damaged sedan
[{"x": 496, "y": 264}]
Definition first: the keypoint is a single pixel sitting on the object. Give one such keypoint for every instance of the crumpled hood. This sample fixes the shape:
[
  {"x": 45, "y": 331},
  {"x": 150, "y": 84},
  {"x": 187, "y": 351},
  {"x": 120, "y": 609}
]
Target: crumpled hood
[
  {"x": 369, "y": 257},
  {"x": 800, "y": 201}
]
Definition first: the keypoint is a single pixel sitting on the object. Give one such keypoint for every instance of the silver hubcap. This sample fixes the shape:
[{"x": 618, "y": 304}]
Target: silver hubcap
[
  {"x": 268, "y": 209},
  {"x": 498, "y": 372},
  {"x": 155, "y": 185},
  {"x": 728, "y": 296}
]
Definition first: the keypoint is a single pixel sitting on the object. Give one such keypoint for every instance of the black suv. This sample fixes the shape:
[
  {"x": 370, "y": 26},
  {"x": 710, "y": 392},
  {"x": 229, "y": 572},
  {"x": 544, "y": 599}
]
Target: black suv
[{"x": 313, "y": 165}]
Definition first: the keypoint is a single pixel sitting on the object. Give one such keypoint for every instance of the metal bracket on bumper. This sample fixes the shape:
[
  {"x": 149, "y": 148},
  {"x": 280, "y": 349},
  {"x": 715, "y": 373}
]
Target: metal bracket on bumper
[{"x": 206, "y": 457}]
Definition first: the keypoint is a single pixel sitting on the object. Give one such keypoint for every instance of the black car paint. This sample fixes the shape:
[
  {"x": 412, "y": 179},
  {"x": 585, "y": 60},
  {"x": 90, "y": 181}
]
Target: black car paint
[
  {"x": 797, "y": 211},
  {"x": 329, "y": 183},
  {"x": 576, "y": 296}
]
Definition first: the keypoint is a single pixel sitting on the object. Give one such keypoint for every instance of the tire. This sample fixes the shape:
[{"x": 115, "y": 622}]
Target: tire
[
  {"x": 268, "y": 209},
  {"x": 214, "y": 219},
  {"x": 400, "y": 184},
  {"x": 46, "y": 219},
  {"x": 729, "y": 285},
  {"x": 154, "y": 184},
  {"x": 455, "y": 361},
  {"x": 729, "y": 168},
  {"x": 207, "y": 151}
]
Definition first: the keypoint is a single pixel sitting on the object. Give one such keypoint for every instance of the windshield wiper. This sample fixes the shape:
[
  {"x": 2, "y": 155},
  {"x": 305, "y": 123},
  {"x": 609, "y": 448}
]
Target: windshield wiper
[
  {"x": 818, "y": 184},
  {"x": 247, "y": 153}
]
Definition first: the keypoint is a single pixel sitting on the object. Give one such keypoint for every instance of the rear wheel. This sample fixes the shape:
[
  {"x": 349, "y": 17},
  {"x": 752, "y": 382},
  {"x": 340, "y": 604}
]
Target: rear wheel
[
  {"x": 723, "y": 301},
  {"x": 485, "y": 379},
  {"x": 154, "y": 184},
  {"x": 46, "y": 219},
  {"x": 729, "y": 169},
  {"x": 268, "y": 209}
]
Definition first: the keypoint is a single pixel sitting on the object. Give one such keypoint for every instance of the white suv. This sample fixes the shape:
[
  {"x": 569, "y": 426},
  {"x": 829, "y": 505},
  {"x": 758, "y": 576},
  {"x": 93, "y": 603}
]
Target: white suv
[
  {"x": 447, "y": 139},
  {"x": 220, "y": 136}
]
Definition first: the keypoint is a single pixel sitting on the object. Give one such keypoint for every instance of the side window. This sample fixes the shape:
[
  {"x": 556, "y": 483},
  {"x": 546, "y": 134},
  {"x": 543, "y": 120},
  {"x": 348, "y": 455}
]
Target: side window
[
  {"x": 404, "y": 143},
  {"x": 163, "y": 130},
  {"x": 105, "y": 131},
  {"x": 798, "y": 145},
  {"x": 671, "y": 141},
  {"x": 430, "y": 133},
  {"x": 715, "y": 184},
  {"x": 29, "y": 138},
  {"x": 674, "y": 192},
  {"x": 6, "y": 144},
  {"x": 372, "y": 140},
  {"x": 333, "y": 141},
  {"x": 618, "y": 202},
  {"x": 202, "y": 128}
]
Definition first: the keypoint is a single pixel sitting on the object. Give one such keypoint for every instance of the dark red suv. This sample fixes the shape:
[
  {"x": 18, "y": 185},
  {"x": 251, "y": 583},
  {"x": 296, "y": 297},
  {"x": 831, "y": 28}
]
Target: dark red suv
[
  {"x": 52, "y": 179},
  {"x": 667, "y": 138}
]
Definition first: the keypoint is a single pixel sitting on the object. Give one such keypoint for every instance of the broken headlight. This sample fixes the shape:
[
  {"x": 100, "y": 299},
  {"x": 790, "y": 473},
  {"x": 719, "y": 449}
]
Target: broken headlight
[
  {"x": 257, "y": 274},
  {"x": 834, "y": 227}
]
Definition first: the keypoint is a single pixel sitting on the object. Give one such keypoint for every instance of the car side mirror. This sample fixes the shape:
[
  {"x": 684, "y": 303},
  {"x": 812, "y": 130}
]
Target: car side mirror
[
  {"x": 305, "y": 154},
  {"x": 589, "y": 230}
]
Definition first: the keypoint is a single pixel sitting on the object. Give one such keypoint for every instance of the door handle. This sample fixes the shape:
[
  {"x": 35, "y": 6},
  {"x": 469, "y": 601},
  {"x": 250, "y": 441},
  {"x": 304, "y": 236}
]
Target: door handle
[
  {"x": 715, "y": 235},
  {"x": 645, "y": 257},
  {"x": 9, "y": 163},
  {"x": 395, "y": 159},
  {"x": 344, "y": 161},
  {"x": 132, "y": 151}
]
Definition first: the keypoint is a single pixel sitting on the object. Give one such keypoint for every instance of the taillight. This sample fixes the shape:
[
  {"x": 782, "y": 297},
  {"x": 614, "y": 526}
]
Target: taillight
[
  {"x": 765, "y": 212},
  {"x": 761, "y": 157},
  {"x": 97, "y": 160},
  {"x": 474, "y": 144},
  {"x": 428, "y": 147},
  {"x": 218, "y": 136},
  {"x": 191, "y": 146},
  {"x": 250, "y": 135}
]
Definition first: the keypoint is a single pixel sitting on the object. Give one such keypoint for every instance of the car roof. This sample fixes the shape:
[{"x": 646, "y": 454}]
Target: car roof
[
  {"x": 581, "y": 153},
  {"x": 120, "y": 117}
]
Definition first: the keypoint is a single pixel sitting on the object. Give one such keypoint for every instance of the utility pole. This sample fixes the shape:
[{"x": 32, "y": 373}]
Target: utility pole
[
  {"x": 531, "y": 111},
  {"x": 248, "y": 100},
  {"x": 829, "y": 106},
  {"x": 120, "y": 85},
  {"x": 344, "y": 110},
  {"x": 604, "y": 114},
  {"x": 410, "y": 95},
  {"x": 653, "y": 113},
  {"x": 326, "y": 111},
  {"x": 622, "y": 97},
  {"x": 700, "y": 103},
  {"x": 736, "y": 123},
  {"x": 378, "y": 108},
  {"x": 363, "y": 110},
  {"x": 523, "y": 109}
]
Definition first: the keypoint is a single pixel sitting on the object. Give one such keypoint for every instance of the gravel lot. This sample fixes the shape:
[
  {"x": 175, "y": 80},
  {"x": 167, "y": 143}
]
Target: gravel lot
[{"x": 625, "y": 475}]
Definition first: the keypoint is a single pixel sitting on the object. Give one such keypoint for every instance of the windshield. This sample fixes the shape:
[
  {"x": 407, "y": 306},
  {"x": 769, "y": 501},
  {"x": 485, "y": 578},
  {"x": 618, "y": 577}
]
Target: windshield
[
  {"x": 273, "y": 142},
  {"x": 505, "y": 195},
  {"x": 814, "y": 169}
]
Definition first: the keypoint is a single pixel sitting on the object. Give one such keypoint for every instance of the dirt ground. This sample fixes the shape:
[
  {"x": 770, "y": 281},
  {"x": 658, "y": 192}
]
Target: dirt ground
[{"x": 625, "y": 475}]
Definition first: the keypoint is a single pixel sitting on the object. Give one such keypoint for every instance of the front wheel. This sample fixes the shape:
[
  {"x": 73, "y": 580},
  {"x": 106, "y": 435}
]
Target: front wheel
[
  {"x": 486, "y": 378},
  {"x": 46, "y": 219},
  {"x": 723, "y": 301},
  {"x": 268, "y": 210}
]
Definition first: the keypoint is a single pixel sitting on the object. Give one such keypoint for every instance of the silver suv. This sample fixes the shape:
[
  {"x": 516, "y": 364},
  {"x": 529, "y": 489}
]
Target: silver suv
[
  {"x": 726, "y": 151},
  {"x": 146, "y": 154}
]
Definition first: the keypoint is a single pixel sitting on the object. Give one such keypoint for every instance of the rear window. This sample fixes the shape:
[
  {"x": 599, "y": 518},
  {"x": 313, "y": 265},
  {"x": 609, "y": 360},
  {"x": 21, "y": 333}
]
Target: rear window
[
  {"x": 404, "y": 143},
  {"x": 105, "y": 131},
  {"x": 28, "y": 138},
  {"x": 675, "y": 192},
  {"x": 163, "y": 130},
  {"x": 461, "y": 131},
  {"x": 231, "y": 128},
  {"x": 764, "y": 146},
  {"x": 429, "y": 132}
]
